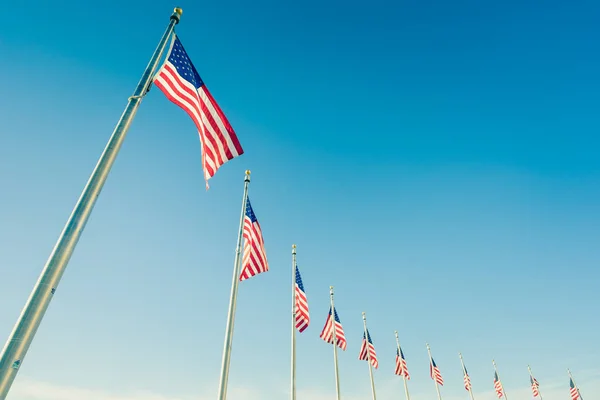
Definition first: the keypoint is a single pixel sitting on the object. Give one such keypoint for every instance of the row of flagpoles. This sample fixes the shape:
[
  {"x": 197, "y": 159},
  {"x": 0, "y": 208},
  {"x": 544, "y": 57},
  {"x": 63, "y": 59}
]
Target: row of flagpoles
[
  {"x": 180, "y": 82},
  {"x": 333, "y": 333},
  {"x": 253, "y": 260}
]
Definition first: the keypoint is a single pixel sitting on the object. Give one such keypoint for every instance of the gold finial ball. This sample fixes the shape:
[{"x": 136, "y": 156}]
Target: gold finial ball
[
  {"x": 330, "y": 287},
  {"x": 364, "y": 313},
  {"x": 178, "y": 11},
  {"x": 293, "y": 246},
  {"x": 247, "y": 172}
]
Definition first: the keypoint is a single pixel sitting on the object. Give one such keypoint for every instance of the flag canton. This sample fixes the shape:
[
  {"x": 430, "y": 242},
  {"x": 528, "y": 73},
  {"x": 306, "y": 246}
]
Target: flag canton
[
  {"x": 433, "y": 363},
  {"x": 496, "y": 377},
  {"x": 250, "y": 212},
  {"x": 299, "y": 279},
  {"x": 183, "y": 64},
  {"x": 571, "y": 383},
  {"x": 534, "y": 381},
  {"x": 368, "y": 336},
  {"x": 400, "y": 353},
  {"x": 466, "y": 373},
  {"x": 337, "y": 319}
]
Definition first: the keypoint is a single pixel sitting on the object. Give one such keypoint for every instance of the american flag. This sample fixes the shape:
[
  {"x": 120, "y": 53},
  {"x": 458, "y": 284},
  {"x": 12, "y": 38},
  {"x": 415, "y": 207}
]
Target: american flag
[
  {"x": 401, "y": 368},
  {"x": 498, "y": 386},
  {"x": 535, "y": 386},
  {"x": 370, "y": 348},
  {"x": 181, "y": 83},
  {"x": 467, "y": 379},
  {"x": 301, "y": 306},
  {"x": 574, "y": 390},
  {"x": 327, "y": 333},
  {"x": 254, "y": 259},
  {"x": 435, "y": 373}
]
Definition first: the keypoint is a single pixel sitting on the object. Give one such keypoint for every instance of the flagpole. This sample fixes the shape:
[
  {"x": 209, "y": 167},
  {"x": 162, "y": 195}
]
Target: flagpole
[
  {"x": 403, "y": 376},
  {"x": 369, "y": 356},
  {"x": 20, "y": 339},
  {"x": 575, "y": 384},
  {"x": 531, "y": 376},
  {"x": 233, "y": 297},
  {"x": 437, "y": 388},
  {"x": 334, "y": 337},
  {"x": 465, "y": 374},
  {"x": 293, "y": 391},
  {"x": 496, "y": 370}
]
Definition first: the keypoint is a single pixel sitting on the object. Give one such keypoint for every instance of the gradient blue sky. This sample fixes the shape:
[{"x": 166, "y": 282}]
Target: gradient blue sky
[{"x": 437, "y": 162}]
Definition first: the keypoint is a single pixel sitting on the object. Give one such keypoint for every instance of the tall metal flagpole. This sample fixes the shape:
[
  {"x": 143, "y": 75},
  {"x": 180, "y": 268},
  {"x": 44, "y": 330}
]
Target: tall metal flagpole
[
  {"x": 334, "y": 337},
  {"x": 465, "y": 374},
  {"x": 437, "y": 388},
  {"x": 233, "y": 297},
  {"x": 364, "y": 317},
  {"x": 496, "y": 370},
  {"x": 403, "y": 376},
  {"x": 531, "y": 376},
  {"x": 575, "y": 384},
  {"x": 22, "y": 335},
  {"x": 293, "y": 391}
]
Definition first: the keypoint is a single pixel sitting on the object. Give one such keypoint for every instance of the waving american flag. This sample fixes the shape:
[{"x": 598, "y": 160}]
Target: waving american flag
[{"x": 181, "y": 83}]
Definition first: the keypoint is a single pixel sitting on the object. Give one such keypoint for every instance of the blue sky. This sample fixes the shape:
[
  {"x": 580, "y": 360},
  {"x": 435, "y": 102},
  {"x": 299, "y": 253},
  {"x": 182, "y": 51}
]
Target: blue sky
[{"x": 436, "y": 162}]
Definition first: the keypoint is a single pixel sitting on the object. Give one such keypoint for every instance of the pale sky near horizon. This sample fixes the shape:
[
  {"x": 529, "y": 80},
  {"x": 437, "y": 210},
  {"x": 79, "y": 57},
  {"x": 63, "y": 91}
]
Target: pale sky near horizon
[{"x": 436, "y": 162}]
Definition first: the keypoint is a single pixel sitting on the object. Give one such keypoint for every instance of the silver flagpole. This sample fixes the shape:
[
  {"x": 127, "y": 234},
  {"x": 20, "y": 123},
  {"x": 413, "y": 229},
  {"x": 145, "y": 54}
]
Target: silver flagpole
[
  {"x": 496, "y": 370},
  {"x": 575, "y": 384},
  {"x": 293, "y": 392},
  {"x": 531, "y": 376},
  {"x": 20, "y": 339},
  {"x": 233, "y": 298},
  {"x": 403, "y": 377},
  {"x": 334, "y": 337},
  {"x": 465, "y": 374},
  {"x": 437, "y": 388},
  {"x": 369, "y": 357}
]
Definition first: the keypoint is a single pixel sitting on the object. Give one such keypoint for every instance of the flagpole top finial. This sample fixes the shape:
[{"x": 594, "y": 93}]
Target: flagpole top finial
[
  {"x": 177, "y": 14},
  {"x": 293, "y": 246},
  {"x": 247, "y": 172},
  {"x": 330, "y": 287}
]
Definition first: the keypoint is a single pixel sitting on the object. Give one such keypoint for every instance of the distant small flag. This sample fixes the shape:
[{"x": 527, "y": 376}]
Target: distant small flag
[
  {"x": 302, "y": 318},
  {"x": 435, "y": 373},
  {"x": 367, "y": 345},
  {"x": 498, "y": 386},
  {"x": 327, "y": 333},
  {"x": 181, "y": 83},
  {"x": 467, "y": 379},
  {"x": 254, "y": 259},
  {"x": 401, "y": 367},
  {"x": 535, "y": 386},
  {"x": 574, "y": 390}
]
